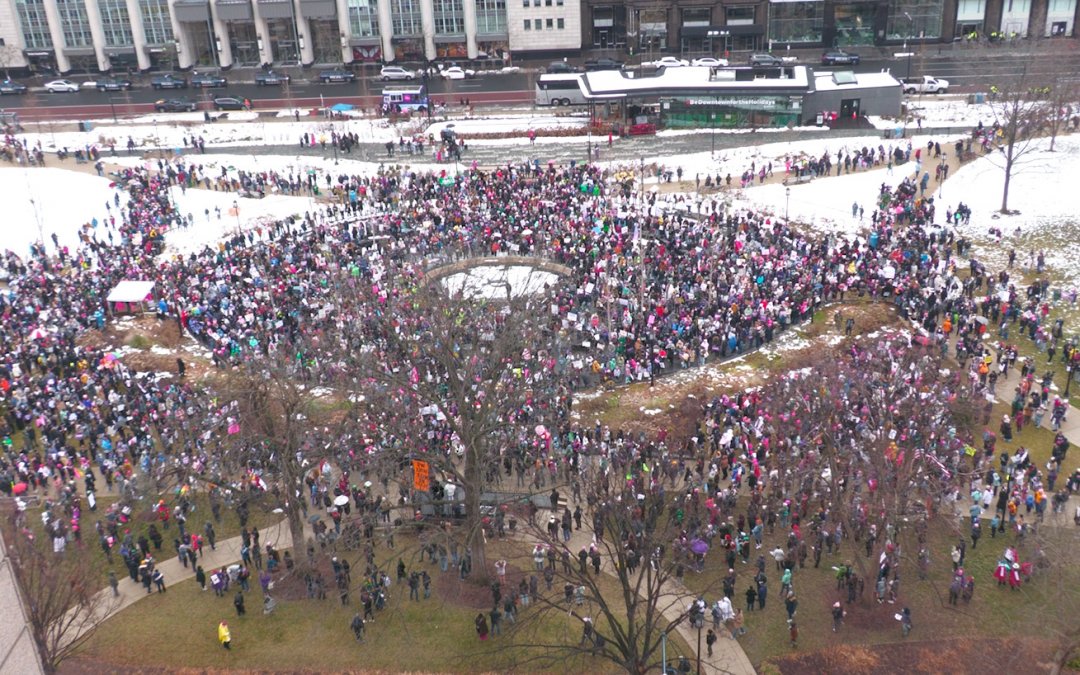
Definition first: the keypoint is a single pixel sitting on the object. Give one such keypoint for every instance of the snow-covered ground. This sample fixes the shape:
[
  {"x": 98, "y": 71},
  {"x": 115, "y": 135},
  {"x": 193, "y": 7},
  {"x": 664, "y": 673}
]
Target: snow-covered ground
[
  {"x": 490, "y": 281},
  {"x": 509, "y": 124},
  {"x": 951, "y": 110},
  {"x": 43, "y": 202}
]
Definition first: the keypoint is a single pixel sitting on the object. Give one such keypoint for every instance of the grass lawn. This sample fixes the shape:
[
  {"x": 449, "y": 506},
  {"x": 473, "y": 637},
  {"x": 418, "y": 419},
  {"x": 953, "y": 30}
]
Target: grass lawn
[
  {"x": 434, "y": 635},
  {"x": 260, "y": 516}
]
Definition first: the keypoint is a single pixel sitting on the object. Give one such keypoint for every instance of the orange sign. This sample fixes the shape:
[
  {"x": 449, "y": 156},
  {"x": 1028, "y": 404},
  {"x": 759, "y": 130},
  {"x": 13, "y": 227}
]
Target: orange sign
[{"x": 420, "y": 475}]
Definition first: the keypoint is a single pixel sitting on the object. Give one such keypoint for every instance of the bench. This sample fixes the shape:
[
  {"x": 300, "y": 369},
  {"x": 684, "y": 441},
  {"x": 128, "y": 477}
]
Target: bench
[{"x": 798, "y": 180}]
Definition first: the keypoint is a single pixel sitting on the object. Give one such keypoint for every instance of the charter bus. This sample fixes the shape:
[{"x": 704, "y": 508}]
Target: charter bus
[
  {"x": 411, "y": 98},
  {"x": 559, "y": 89}
]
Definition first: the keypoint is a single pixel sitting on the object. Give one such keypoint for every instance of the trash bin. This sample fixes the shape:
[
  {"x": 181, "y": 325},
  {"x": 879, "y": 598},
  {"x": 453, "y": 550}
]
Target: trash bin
[
  {"x": 975, "y": 98},
  {"x": 819, "y": 120},
  {"x": 86, "y": 125}
]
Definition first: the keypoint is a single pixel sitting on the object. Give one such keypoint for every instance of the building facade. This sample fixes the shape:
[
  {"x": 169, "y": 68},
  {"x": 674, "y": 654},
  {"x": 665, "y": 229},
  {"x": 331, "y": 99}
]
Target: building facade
[
  {"x": 696, "y": 27},
  {"x": 66, "y": 36}
]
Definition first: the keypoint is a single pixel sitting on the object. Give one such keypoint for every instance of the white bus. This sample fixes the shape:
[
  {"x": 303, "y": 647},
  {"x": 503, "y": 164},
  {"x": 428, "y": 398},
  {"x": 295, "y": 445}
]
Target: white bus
[
  {"x": 560, "y": 89},
  {"x": 405, "y": 99}
]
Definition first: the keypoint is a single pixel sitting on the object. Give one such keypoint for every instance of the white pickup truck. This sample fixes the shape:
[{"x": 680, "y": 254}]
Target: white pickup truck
[{"x": 924, "y": 85}]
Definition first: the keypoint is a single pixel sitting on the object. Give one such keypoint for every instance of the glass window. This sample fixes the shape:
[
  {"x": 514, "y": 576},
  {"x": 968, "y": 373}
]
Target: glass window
[
  {"x": 854, "y": 24},
  {"x": 490, "y": 16},
  {"x": 561, "y": 23},
  {"x": 34, "y": 24},
  {"x": 449, "y": 17},
  {"x": 405, "y": 17},
  {"x": 538, "y": 24},
  {"x": 116, "y": 22},
  {"x": 970, "y": 10},
  {"x": 550, "y": 24},
  {"x": 76, "y": 24},
  {"x": 1062, "y": 6},
  {"x": 528, "y": 24},
  {"x": 155, "y": 20},
  {"x": 698, "y": 16},
  {"x": 913, "y": 19},
  {"x": 363, "y": 18},
  {"x": 796, "y": 22},
  {"x": 740, "y": 16}
]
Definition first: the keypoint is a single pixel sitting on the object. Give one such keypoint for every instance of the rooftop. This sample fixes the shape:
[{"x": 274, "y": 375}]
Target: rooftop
[{"x": 613, "y": 84}]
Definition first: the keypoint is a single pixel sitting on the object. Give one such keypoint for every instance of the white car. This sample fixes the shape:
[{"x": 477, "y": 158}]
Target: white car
[
  {"x": 669, "y": 62},
  {"x": 61, "y": 86},
  {"x": 709, "y": 61},
  {"x": 396, "y": 73},
  {"x": 458, "y": 73}
]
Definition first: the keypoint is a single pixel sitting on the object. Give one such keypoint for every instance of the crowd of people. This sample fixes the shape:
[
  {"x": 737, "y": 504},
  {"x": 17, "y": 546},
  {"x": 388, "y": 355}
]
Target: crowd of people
[{"x": 657, "y": 283}]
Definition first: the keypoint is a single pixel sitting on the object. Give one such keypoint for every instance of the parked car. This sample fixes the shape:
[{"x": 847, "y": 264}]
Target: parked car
[
  {"x": 9, "y": 87},
  {"x": 667, "y": 62},
  {"x": 336, "y": 75},
  {"x": 229, "y": 103},
  {"x": 268, "y": 77},
  {"x": 113, "y": 84},
  {"x": 168, "y": 81},
  {"x": 765, "y": 60},
  {"x": 560, "y": 67},
  {"x": 603, "y": 64},
  {"x": 925, "y": 85},
  {"x": 709, "y": 61},
  {"x": 837, "y": 57},
  {"x": 458, "y": 73},
  {"x": 61, "y": 87},
  {"x": 396, "y": 73},
  {"x": 208, "y": 80},
  {"x": 174, "y": 105}
]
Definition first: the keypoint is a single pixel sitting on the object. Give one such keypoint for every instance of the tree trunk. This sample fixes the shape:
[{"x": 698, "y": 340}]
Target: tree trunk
[
  {"x": 474, "y": 527},
  {"x": 1008, "y": 179},
  {"x": 295, "y": 515}
]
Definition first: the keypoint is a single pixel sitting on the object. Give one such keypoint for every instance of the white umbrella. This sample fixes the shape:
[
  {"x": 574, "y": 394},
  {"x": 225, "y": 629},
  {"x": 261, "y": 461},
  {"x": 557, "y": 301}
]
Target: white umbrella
[
  {"x": 367, "y": 483},
  {"x": 341, "y": 500}
]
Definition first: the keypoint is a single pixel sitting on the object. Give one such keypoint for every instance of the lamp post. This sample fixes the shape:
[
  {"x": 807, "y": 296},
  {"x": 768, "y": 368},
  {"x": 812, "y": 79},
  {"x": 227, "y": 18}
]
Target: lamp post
[
  {"x": 787, "y": 205},
  {"x": 642, "y": 179}
]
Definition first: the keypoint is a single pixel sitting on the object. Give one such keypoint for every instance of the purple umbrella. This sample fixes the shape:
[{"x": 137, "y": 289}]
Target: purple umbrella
[{"x": 699, "y": 546}]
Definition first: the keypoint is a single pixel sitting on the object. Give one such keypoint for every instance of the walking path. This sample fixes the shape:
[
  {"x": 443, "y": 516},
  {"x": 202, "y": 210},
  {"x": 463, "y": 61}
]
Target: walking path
[{"x": 18, "y": 653}]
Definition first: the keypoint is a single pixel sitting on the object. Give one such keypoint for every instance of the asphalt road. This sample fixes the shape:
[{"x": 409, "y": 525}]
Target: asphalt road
[{"x": 966, "y": 70}]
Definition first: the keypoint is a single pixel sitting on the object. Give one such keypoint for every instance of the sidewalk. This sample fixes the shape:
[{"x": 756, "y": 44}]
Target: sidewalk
[
  {"x": 728, "y": 655},
  {"x": 18, "y": 653},
  {"x": 227, "y": 552}
]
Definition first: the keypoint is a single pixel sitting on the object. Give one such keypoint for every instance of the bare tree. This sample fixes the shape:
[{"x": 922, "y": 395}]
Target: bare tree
[
  {"x": 1062, "y": 97},
  {"x": 62, "y": 595},
  {"x": 636, "y": 600},
  {"x": 466, "y": 384},
  {"x": 1019, "y": 109}
]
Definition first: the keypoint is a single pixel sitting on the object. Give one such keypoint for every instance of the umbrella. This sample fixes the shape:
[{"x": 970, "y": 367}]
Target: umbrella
[
  {"x": 367, "y": 484},
  {"x": 342, "y": 107},
  {"x": 313, "y": 519},
  {"x": 341, "y": 500},
  {"x": 699, "y": 547},
  {"x": 540, "y": 430},
  {"x": 982, "y": 319},
  {"x": 19, "y": 488}
]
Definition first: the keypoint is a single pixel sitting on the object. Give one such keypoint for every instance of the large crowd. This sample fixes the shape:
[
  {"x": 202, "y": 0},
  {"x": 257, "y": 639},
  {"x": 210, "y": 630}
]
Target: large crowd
[{"x": 657, "y": 283}]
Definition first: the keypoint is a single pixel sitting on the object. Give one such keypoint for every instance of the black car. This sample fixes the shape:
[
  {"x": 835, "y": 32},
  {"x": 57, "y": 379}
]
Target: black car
[
  {"x": 560, "y": 67},
  {"x": 336, "y": 75},
  {"x": 603, "y": 64},
  {"x": 9, "y": 87},
  {"x": 113, "y": 84},
  {"x": 765, "y": 60},
  {"x": 269, "y": 77},
  {"x": 208, "y": 81},
  {"x": 837, "y": 57},
  {"x": 168, "y": 81},
  {"x": 174, "y": 105},
  {"x": 229, "y": 103}
]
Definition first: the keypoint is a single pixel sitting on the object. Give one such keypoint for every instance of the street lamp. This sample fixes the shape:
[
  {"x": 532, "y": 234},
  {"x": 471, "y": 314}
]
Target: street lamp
[
  {"x": 787, "y": 205},
  {"x": 642, "y": 179}
]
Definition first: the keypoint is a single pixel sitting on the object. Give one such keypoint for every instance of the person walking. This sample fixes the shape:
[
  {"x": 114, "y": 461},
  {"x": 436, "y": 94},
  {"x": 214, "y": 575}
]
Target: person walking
[
  {"x": 481, "y": 626},
  {"x": 710, "y": 640},
  {"x": 357, "y": 626},
  {"x": 159, "y": 581},
  {"x": 224, "y": 636},
  {"x": 238, "y": 602},
  {"x": 905, "y": 621},
  {"x": 114, "y": 584}
]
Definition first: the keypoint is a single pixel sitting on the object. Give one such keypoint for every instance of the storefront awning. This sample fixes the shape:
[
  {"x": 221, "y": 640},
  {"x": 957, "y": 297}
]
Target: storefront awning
[
  {"x": 275, "y": 9},
  {"x": 192, "y": 11},
  {"x": 449, "y": 39},
  {"x": 233, "y": 10},
  {"x": 703, "y": 31},
  {"x": 318, "y": 9}
]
